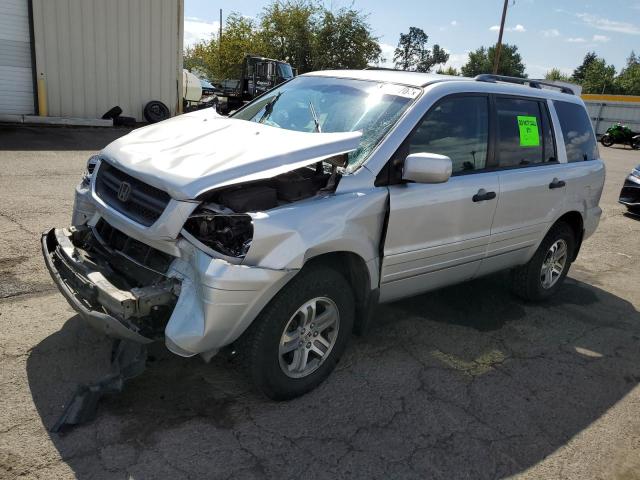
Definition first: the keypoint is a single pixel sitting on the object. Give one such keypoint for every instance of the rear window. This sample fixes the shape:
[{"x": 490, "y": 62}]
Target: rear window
[{"x": 577, "y": 132}]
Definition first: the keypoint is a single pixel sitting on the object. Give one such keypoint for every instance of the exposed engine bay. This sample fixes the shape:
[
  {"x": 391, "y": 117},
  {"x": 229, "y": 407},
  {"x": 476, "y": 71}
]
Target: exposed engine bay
[
  {"x": 222, "y": 223},
  {"x": 135, "y": 289}
]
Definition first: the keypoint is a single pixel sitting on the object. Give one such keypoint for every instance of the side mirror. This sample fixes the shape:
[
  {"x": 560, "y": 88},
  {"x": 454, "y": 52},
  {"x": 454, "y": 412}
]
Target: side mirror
[{"x": 427, "y": 168}]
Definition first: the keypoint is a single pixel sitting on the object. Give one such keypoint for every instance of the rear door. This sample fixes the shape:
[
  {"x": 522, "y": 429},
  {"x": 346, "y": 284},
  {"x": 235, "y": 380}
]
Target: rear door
[
  {"x": 532, "y": 181},
  {"x": 437, "y": 234},
  {"x": 584, "y": 169}
]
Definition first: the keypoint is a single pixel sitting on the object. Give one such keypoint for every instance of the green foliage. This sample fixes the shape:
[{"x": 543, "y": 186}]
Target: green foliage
[
  {"x": 412, "y": 52},
  {"x": 556, "y": 74},
  {"x": 628, "y": 82},
  {"x": 481, "y": 61},
  {"x": 596, "y": 76},
  {"x": 448, "y": 71},
  {"x": 223, "y": 59},
  {"x": 287, "y": 29},
  {"x": 599, "y": 77},
  {"x": 580, "y": 72},
  {"x": 301, "y": 32},
  {"x": 343, "y": 41}
]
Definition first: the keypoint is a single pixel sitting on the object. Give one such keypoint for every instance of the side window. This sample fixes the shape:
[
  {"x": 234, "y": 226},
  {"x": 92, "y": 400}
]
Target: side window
[
  {"x": 457, "y": 127},
  {"x": 577, "y": 132},
  {"x": 523, "y": 133}
]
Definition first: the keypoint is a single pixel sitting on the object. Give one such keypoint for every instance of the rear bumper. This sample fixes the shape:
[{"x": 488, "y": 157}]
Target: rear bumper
[{"x": 86, "y": 290}]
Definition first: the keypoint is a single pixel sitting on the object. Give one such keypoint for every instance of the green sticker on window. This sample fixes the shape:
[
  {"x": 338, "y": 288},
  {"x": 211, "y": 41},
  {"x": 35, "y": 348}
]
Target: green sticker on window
[{"x": 529, "y": 134}]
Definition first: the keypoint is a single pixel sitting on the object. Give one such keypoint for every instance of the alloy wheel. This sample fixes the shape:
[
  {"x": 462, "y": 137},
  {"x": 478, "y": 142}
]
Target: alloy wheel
[
  {"x": 308, "y": 337},
  {"x": 554, "y": 263}
]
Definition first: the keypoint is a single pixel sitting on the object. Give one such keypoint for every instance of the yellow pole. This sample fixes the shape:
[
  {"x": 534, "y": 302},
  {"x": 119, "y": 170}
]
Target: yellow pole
[{"x": 43, "y": 109}]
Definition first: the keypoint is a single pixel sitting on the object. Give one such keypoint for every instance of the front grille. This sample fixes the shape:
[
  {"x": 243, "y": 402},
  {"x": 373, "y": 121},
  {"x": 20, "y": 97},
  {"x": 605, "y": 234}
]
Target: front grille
[
  {"x": 139, "y": 252},
  {"x": 144, "y": 204}
]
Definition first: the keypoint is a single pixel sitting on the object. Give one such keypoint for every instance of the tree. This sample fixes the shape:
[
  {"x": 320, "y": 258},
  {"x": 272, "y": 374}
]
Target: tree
[
  {"x": 288, "y": 29},
  {"x": 223, "y": 59},
  {"x": 598, "y": 77},
  {"x": 448, "y": 71},
  {"x": 628, "y": 82},
  {"x": 300, "y": 32},
  {"x": 481, "y": 61},
  {"x": 412, "y": 52},
  {"x": 556, "y": 74},
  {"x": 579, "y": 73},
  {"x": 344, "y": 41}
]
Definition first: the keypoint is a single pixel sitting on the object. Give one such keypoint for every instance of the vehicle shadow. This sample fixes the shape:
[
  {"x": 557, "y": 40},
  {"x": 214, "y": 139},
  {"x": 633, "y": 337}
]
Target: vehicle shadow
[
  {"x": 57, "y": 138},
  {"x": 465, "y": 382}
]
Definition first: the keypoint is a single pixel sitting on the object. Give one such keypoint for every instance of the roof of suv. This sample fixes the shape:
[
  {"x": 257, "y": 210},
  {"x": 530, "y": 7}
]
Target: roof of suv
[
  {"x": 414, "y": 79},
  {"x": 418, "y": 79}
]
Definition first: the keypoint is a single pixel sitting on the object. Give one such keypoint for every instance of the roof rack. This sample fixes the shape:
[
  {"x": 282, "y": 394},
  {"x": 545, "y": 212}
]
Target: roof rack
[
  {"x": 373, "y": 67},
  {"x": 487, "y": 77}
]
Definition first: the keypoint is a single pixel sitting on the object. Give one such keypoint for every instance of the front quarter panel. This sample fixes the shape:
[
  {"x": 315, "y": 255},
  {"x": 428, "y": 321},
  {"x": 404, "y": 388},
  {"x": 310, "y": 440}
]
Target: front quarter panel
[{"x": 285, "y": 238}]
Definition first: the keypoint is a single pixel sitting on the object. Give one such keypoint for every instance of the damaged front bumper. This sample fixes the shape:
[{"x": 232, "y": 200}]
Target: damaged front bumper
[
  {"x": 199, "y": 305},
  {"x": 103, "y": 305}
]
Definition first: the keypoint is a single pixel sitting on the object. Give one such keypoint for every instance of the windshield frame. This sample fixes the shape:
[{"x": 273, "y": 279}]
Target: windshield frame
[{"x": 363, "y": 161}]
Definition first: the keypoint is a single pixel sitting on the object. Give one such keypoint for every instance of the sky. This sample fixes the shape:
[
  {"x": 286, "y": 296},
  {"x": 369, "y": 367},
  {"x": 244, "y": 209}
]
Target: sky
[{"x": 548, "y": 33}]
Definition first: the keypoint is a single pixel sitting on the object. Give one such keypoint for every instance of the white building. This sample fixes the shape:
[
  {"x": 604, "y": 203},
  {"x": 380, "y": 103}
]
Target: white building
[{"x": 79, "y": 58}]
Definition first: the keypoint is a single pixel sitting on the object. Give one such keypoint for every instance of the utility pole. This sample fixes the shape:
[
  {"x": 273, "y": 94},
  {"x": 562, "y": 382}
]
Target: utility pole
[
  {"x": 496, "y": 60},
  {"x": 220, "y": 43}
]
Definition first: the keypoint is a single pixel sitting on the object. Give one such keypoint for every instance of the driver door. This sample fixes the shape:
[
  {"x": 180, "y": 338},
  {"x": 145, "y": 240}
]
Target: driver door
[{"x": 437, "y": 234}]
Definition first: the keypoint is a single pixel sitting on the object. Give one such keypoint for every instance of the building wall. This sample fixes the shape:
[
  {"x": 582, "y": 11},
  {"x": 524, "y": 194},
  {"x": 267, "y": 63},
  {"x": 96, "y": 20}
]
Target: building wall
[
  {"x": 96, "y": 54},
  {"x": 607, "y": 110},
  {"x": 16, "y": 77}
]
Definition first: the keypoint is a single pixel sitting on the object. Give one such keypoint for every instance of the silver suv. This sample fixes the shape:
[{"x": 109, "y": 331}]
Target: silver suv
[{"x": 279, "y": 229}]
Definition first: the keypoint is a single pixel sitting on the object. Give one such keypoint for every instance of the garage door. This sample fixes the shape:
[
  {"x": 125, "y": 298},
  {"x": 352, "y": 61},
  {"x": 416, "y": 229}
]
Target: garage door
[{"x": 16, "y": 79}]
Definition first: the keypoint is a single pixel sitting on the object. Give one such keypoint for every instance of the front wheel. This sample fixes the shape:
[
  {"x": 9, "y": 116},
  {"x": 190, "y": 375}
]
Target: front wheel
[
  {"x": 606, "y": 140},
  {"x": 297, "y": 340},
  {"x": 543, "y": 275}
]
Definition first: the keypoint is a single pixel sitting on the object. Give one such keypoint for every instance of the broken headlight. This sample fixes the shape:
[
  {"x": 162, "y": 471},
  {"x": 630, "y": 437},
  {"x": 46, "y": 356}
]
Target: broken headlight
[{"x": 227, "y": 233}]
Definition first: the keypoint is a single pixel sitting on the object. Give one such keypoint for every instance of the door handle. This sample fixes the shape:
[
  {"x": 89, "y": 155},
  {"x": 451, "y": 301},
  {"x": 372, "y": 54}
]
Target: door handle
[
  {"x": 557, "y": 184},
  {"x": 483, "y": 195}
]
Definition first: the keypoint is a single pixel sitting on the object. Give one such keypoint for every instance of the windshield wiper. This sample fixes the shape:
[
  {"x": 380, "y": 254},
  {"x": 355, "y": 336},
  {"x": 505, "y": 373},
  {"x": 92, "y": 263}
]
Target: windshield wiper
[
  {"x": 268, "y": 108},
  {"x": 315, "y": 117}
]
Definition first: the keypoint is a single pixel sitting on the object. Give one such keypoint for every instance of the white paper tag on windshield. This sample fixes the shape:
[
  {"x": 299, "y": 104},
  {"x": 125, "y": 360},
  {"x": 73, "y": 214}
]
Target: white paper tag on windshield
[{"x": 398, "y": 90}]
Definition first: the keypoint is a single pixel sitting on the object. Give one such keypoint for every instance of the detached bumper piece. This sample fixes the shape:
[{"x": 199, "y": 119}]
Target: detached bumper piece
[
  {"x": 121, "y": 306},
  {"x": 128, "y": 360},
  {"x": 630, "y": 194}
]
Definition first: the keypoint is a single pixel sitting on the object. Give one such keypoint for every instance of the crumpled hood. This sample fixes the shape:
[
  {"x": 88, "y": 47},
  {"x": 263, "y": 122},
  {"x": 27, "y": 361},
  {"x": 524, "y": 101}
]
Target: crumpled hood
[{"x": 194, "y": 153}]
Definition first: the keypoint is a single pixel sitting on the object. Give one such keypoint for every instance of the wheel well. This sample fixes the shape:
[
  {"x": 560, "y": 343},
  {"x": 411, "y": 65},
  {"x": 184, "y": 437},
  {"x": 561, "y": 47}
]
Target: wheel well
[
  {"x": 574, "y": 220},
  {"x": 355, "y": 270}
]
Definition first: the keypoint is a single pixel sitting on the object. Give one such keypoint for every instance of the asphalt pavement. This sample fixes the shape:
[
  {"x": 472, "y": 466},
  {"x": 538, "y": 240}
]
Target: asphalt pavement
[{"x": 464, "y": 382}]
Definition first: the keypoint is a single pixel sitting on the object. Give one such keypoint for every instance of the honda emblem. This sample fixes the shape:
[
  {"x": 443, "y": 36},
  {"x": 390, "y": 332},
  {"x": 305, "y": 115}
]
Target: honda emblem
[{"x": 124, "y": 192}]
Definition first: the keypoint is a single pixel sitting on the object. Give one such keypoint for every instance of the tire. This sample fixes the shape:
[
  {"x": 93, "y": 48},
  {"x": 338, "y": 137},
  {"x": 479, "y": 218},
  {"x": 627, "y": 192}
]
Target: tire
[
  {"x": 261, "y": 345},
  {"x": 635, "y": 144},
  {"x": 528, "y": 281},
  {"x": 606, "y": 140},
  {"x": 156, "y": 111},
  {"x": 112, "y": 113},
  {"x": 121, "y": 121}
]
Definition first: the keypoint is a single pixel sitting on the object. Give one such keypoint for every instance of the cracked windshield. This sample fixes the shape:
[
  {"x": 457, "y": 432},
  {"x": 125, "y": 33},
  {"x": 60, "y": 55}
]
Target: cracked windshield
[{"x": 329, "y": 105}]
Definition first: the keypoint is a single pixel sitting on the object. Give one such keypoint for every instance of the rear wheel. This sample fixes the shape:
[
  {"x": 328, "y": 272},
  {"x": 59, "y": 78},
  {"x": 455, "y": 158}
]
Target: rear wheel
[
  {"x": 606, "y": 140},
  {"x": 299, "y": 337},
  {"x": 543, "y": 275}
]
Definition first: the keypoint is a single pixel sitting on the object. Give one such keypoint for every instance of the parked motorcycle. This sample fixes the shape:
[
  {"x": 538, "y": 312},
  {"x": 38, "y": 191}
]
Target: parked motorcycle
[{"x": 619, "y": 133}]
